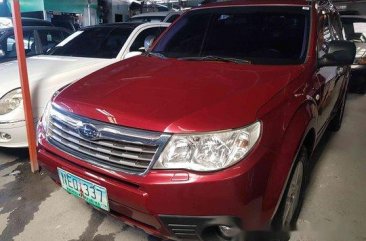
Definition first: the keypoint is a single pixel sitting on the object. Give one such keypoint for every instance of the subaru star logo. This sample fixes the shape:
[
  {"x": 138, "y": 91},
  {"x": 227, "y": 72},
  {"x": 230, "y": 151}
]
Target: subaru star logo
[{"x": 89, "y": 132}]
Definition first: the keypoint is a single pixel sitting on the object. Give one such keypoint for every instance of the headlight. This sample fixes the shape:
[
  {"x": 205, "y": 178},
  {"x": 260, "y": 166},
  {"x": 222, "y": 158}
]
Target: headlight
[
  {"x": 10, "y": 101},
  {"x": 210, "y": 151},
  {"x": 46, "y": 116}
]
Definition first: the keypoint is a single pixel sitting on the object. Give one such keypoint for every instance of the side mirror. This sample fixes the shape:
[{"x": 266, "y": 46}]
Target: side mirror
[
  {"x": 132, "y": 54},
  {"x": 2, "y": 53},
  {"x": 148, "y": 41},
  {"x": 339, "y": 53}
]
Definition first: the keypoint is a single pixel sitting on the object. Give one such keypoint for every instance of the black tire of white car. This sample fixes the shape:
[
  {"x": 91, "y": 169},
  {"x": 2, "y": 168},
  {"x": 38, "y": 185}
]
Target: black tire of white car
[{"x": 292, "y": 199}]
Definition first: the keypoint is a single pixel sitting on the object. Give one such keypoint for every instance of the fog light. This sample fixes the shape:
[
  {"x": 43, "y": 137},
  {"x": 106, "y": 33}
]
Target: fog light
[
  {"x": 4, "y": 137},
  {"x": 229, "y": 232}
]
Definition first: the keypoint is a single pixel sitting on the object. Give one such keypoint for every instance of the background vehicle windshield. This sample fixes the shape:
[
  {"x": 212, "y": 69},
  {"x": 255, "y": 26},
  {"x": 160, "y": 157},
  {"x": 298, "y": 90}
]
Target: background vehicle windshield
[
  {"x": 354, "y": 29},
  {"x": 102, "y": 42},
  {"x": 263, "y": 35}
]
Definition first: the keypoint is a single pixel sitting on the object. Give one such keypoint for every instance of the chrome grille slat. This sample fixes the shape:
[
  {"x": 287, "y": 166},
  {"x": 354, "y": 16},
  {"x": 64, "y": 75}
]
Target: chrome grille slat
[
  {"x": 105, "y": 143},
  {"x": 94, "y": 153},
  {"x": 117, "y": 148},
  {"x": 92, "y": 145}
]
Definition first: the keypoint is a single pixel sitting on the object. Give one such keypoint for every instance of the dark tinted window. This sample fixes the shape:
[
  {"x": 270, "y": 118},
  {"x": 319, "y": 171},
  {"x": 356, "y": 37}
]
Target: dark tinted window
[
  {"x": 50, "y": 38},
  {"x": 262, "y": 35},
  {"x": 103, "y": 42}
]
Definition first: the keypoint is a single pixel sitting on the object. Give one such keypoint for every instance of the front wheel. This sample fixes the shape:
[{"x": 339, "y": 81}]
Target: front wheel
[{"x": 291, "y": 202}]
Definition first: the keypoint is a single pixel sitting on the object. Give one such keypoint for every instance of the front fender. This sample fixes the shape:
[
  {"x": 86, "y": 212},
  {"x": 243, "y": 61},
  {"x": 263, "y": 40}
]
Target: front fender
[{"x": 294, "y": 129}]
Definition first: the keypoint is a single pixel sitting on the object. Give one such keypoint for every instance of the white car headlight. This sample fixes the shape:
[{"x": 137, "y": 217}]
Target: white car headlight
[
  {"x": 46, "y": 116},
  {"x": 210, "y": 151},
  {"x": 10, "y": 101}
]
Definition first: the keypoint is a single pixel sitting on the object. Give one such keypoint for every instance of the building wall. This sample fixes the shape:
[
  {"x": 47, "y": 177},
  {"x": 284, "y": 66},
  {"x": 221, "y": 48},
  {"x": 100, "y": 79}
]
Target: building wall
[{"x": 118, "y": 7}]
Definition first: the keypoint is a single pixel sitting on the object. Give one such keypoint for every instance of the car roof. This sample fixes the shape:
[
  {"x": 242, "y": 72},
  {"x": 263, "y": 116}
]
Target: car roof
[
  {"x": 35, "y": 28},
  {"x": 257, "y": 2},
  {"x": 155, "y": 14},
  {"x": 126, "y": 25}
]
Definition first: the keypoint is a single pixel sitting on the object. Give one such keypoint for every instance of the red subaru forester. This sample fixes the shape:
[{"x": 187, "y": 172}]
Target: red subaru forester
[{"x": 207, "y": 135}]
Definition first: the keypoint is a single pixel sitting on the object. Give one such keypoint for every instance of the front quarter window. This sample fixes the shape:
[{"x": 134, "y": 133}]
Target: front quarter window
[{"x": 261, "y": 35}]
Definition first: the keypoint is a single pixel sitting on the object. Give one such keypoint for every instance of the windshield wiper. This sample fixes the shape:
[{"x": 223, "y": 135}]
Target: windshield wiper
[
  {"x": 217, "y": 58},
  {"x": 159, "y": 55}
]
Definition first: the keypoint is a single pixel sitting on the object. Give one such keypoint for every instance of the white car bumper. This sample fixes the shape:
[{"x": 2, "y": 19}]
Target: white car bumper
[{"x": 16, "y": 134}]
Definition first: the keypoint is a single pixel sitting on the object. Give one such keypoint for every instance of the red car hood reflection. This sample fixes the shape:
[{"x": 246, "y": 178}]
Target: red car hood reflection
[{"x": 176, "y": 96}]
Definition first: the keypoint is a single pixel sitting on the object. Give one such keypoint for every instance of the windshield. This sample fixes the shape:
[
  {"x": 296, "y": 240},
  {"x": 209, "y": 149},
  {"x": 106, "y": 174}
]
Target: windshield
[
  {"x": 354, "y": 29},
  {"x": 259, "y": 35},
  {"x": 98, "y": 42}
]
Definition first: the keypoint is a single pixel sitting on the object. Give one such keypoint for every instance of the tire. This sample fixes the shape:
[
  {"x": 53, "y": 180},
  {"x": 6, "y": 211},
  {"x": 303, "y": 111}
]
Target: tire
[
  {"x": 292, "y": 199},
  {"x": 336, "y": 123}
]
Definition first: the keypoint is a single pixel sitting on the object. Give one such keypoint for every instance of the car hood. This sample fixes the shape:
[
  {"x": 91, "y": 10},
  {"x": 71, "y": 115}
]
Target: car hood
[
  {"x": 176, "y": 96},
  {"x": 47, "y": 74}
]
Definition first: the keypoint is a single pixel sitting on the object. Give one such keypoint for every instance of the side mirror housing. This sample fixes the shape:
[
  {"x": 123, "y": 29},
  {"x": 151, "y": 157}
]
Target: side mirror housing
[{"x": 340, "y": 52}]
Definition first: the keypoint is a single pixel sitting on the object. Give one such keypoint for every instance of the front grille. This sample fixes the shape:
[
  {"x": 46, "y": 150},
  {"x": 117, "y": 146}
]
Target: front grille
[{"x": 115, "y": 147}]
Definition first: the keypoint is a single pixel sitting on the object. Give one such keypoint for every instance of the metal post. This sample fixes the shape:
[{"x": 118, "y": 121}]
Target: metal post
[
  {"x": 23, "y": 74},
  {"x": 89, "y": 14}
]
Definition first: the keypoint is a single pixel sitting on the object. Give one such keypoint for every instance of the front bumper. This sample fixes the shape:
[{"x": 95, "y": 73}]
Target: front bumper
[
  {"x": 17, "y": 132},
  {"x": 234, "y": 196}
]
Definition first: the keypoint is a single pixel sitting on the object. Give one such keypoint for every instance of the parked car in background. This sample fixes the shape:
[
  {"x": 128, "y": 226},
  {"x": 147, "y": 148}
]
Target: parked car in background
[
  {"x": 68, "y": 24},
  {"x": 354, "y": 29},
  {"x": 80, "y": 54},
  {"x": 37, "y": 40},
  {"x": 211, "y": 131},
  {"x": 7, "y": 22},
  {"x": 167, "y": 16}
]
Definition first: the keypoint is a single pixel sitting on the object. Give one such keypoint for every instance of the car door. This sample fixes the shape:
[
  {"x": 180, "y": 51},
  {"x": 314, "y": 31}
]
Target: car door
[
  {"x": 9, "y": 48},
  {"x": 342, "y": 72},
  {"x": 327, "y": 77}
]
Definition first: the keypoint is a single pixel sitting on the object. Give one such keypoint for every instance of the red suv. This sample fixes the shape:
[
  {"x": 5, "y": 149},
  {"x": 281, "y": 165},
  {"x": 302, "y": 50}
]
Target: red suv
[{"x": 209, "y": 134}]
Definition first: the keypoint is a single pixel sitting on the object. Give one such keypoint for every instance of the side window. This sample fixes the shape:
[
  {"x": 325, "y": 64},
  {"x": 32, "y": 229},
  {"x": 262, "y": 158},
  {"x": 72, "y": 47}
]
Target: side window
[
  {"x": 49, "y": 38},
  {"x": 139, "y": 41},
  {"x": 324, "y": 36},
  {"x": 29, "y": 45}
]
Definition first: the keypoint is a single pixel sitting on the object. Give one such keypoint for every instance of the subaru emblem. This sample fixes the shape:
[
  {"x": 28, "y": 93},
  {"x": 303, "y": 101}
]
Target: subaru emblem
[{"x": 89, "y": 132}]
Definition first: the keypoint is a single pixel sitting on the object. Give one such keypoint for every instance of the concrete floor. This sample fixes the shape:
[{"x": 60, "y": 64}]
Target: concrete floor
[{"x": 32, "y": 207}]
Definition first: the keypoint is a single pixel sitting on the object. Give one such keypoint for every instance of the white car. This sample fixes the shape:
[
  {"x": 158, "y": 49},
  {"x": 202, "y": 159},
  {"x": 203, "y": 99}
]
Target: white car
[{"x": 80, "y": 54}]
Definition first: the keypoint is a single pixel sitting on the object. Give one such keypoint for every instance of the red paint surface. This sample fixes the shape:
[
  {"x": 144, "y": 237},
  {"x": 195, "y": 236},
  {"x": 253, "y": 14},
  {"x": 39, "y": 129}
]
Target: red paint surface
[{"x": 181, "y": 96}]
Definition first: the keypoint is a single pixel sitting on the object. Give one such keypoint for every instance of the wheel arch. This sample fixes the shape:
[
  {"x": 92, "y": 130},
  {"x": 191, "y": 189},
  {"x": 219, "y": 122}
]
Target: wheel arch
[{"x": 300, "y": 130}]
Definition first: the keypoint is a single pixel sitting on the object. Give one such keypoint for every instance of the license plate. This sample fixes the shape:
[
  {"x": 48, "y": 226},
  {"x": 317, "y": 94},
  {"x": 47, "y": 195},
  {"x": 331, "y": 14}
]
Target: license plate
[{"x": 92, "y": 193}]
